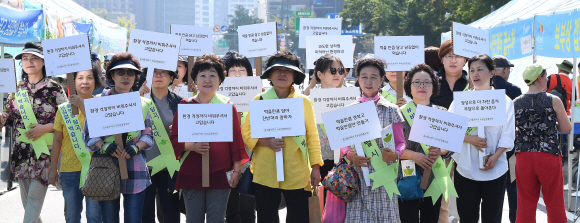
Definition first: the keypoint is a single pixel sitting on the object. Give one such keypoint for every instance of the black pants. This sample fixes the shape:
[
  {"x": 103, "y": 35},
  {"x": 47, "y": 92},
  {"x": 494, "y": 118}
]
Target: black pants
[
  {"x": 328, "y": 165},
  {"x": 268, "y": 200},
  {"x": 160, "y": 185},
  {"x": 423, "y": 208},
  {"x": 489, "y": 194},
  {"x": 240, "y": 208}
]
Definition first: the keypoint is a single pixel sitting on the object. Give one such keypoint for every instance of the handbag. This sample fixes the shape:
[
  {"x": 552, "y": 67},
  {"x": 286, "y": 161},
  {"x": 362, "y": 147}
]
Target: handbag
[
  {"x": 314, "y": 207},
  {"x": 409, "y": 186},
  {"x": 342, "y": 181},
  {"x": 103, "y": 181},
  {"x": 335, "y": 209},
  {"x": 245, "y": 186}
]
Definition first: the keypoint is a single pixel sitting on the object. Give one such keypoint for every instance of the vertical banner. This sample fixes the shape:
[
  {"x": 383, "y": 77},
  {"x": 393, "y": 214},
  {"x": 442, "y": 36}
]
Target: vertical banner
[
  {"x": 19, "y": 27},
  {"x": 513, "y": 41},
  {"x": 558, "y": 35}
]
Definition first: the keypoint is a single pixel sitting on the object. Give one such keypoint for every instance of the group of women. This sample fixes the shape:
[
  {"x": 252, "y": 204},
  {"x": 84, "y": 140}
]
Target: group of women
[{"x": 536, "y": 115}]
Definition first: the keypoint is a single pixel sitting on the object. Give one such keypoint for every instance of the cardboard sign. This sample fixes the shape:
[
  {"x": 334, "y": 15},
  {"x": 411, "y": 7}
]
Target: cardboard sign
[
  {"x": 154, "y": 50},
  {"x": 339, "y": 46},
  {"x": 241, "y": 90},
  {"x": 66, "y": 55},
  {"x": 277, "y": 118},
  {"x": 352, "y": 125},
  {"x": 195, "y": 40},
  {"x": 469, "y": 41},
  {"x": 401, "y": 53},
  {"x": 484, "y": 108},
  {"x": 318, "y": 27},
  {"x": 257, "y": 40},
  {"x": 114, "y": 114},
  {"x": 330, "y": 99},
  {"x": 205, "y": 123},
  {"x": 438, "y": 128},
  {"x": 8, "y": 76}
]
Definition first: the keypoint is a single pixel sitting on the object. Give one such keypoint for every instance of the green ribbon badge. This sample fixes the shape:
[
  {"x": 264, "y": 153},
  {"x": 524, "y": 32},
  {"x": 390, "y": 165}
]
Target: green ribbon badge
[
  {"x": 384, "y": 175},
  {"x": 167, "y": 158},
  {"x": 74, "y": 131},
  {"x": 28, "y": 118}
]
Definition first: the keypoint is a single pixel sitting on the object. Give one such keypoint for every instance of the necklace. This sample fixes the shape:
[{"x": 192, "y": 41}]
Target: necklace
[{"x": 34, "y": 85}]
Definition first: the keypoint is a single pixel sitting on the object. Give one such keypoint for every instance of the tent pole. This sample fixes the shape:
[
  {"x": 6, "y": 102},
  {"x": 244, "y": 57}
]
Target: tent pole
[
  {"x": 534, "y": 59},
  {"x": 2, "y": 94},
  {"x": 571, "y": 135}
]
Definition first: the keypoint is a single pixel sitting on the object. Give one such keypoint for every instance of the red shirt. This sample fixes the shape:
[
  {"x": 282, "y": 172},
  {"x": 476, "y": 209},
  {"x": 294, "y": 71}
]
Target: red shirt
[
  {"x": 222, "y": 156},
  {"x": 566, "y": 84}
]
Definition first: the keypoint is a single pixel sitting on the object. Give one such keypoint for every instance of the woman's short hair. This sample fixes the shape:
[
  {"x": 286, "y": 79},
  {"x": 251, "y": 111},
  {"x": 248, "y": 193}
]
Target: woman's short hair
[
  {"x": 233, "y": 59},
  {"x": 96, "y": 75},
  {"x": 432, "y": 58},
  {"x": 37, "y": 46},
  {"x": 118, "y": 58},
  {"x": 206, "y": 62},
  {"x": 416, "y": 69},
  {"x": 323, "y": 63},
  {"x": 488, "y": 61},
  {"x": 371, "y": 61}
]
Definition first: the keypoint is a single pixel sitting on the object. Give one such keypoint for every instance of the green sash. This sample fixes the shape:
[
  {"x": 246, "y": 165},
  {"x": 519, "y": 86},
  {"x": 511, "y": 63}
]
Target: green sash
[
  {"x": 299, "y": 140},
  {"x": 390, "y": 97},
  {"x": 75, "y": 133},
  {"x": 167, "y": 157},
  {"x": 217, "y": 99},
  {"x": 384, "y": 175},
  {"x": 40, "y": 146},
  {"x": 442, "y": 184}
]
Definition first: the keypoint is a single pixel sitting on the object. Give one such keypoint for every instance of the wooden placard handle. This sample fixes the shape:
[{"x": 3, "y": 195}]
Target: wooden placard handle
[
  {"x": 400, "y": 80},
  {"x": 425, "y": 179},
  {"x": 205, "y": 169},
  {"x": 70, "y": 79},
  {"x": 190, "y": 62},
  {"x": 122, "y": 161},
  {"x": 258, "y": 66}
]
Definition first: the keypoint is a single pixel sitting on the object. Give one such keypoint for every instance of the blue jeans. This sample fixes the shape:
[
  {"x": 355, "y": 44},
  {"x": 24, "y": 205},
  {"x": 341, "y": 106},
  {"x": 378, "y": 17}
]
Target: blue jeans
[
  {"x": 132, "y": 206},
  {"x": 73, "y": 200}
]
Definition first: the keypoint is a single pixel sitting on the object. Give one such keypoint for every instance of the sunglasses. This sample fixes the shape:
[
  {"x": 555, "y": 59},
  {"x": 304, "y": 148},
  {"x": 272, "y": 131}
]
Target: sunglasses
[
  {"x": 121, "y": 72},
  {"x": 333, "y": 71}
]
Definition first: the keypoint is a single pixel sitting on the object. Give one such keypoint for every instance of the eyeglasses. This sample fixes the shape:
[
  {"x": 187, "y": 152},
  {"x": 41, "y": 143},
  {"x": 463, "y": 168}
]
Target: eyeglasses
[
  {"x": 333, "y": 70},
  {"x": 452, "y": 57},
  {"x": 419, "y": 83},
  {"x": 161, "y": 74},
  {"x": 121, "y": 72}
]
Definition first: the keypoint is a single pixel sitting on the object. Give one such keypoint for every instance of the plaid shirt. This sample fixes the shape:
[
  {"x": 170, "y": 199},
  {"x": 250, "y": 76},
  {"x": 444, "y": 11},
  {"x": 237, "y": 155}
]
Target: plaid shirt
[
  {"x": 374, "y": 205},
  {"x": 136, "y": 166}
]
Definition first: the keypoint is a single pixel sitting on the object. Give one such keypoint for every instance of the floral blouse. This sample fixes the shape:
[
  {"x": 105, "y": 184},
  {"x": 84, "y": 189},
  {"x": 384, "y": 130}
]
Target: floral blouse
[{"x": 46, "y": 99}]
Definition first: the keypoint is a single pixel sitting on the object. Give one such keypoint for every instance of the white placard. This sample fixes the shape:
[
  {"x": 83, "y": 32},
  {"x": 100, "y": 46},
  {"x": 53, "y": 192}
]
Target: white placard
[
  {"x": 318, "y": 27},
  {"x": 277, "y": 118},
  {"x": 484, "y": 108},
  {"x": 257, "y": 40},
  {"x": 205, "y": 123},
  {"x": 241, "y": 90},
  {"x": 438, "y": 128},
  {"x": 67, "y": 54},
  {"x": 8, "y": 76},
  {"x": 195, "y": 40},
  {"x": 352, "y": 125},
  {"x": 469, "y": 41},
  {"x": 401, "y": 53},
  {"x": 339, "y": 46},
  {"x": 154, "y": 50},
  {"x": 114, "y": 114},
  {"x": 330, "y": 99}
]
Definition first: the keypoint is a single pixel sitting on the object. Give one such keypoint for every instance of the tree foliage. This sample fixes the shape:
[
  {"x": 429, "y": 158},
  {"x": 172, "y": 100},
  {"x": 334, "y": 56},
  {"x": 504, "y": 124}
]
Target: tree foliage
[
  {"x": 241, "y": 17},
  {"x": 429, "y": 18},
  {"x": 103, "y": 13}
]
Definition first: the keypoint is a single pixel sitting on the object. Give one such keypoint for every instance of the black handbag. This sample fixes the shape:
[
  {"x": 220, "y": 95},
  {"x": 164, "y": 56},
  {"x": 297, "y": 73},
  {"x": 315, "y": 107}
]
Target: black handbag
[{"x": 245, "y": 186}]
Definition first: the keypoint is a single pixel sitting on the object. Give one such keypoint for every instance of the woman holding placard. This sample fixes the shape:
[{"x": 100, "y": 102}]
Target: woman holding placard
[
  {"x": 389, "y": 92},
  {"x": 123, "y": 71},
  {"x": 539, "y": 118},
  {"x": 71, "y": 163},
  {"x": 241, "y": 207},
  {"x": 162, "y": 184},
  {"x": 421, "y": 85},
  {"x": 37, "y": 99},
  {"x": 374, "y": 205},
  {"x": 208, "y": 73},
  {"x": 283, "y": 71},
  {"x": 485, "y": 186}
]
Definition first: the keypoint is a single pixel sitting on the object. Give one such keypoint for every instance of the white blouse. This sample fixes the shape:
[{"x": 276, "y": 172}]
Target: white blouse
[{"x": 497, "y": 136}]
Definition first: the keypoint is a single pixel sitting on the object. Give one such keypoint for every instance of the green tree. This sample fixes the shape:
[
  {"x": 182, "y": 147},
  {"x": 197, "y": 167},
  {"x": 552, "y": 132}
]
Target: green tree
[
  {"x": 241, "y": 17},
  {"x": 128, "y": 24}
]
